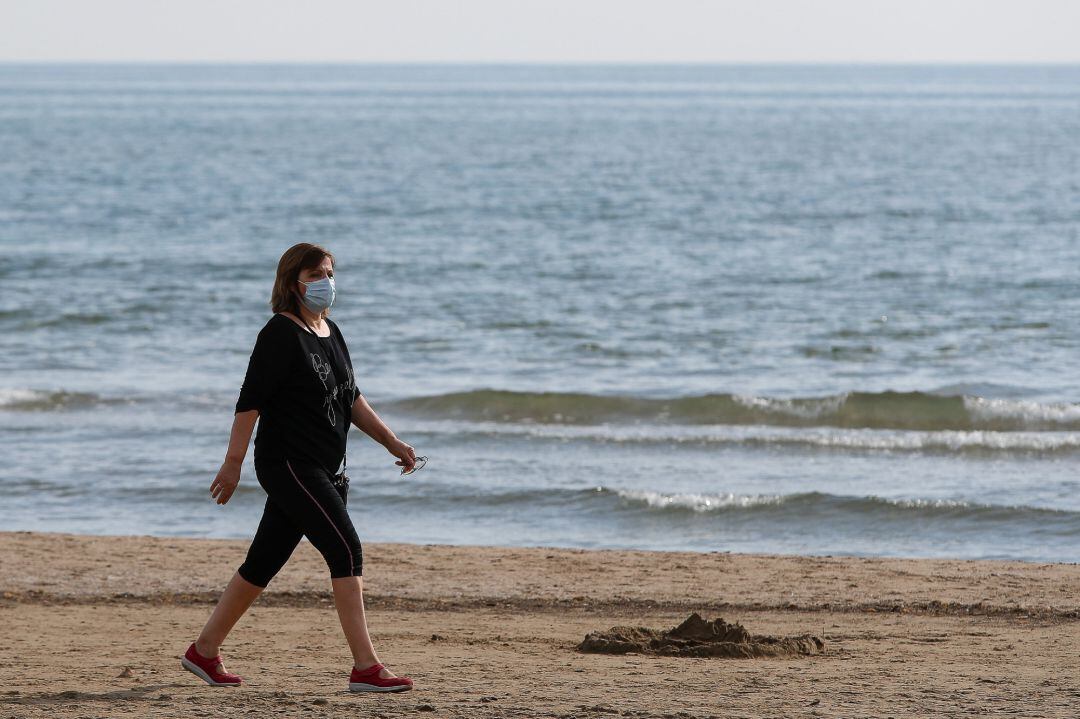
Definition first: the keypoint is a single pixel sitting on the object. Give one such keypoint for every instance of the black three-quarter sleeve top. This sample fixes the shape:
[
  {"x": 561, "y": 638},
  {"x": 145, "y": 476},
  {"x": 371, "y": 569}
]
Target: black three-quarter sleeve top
[{"x": 303, "y": 387}]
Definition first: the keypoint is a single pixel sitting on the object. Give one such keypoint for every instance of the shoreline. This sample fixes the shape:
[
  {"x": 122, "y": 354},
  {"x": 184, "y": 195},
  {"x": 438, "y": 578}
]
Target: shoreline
[
  {"x": 96, "y": 623},
  {"x": 81, "y": 568}
]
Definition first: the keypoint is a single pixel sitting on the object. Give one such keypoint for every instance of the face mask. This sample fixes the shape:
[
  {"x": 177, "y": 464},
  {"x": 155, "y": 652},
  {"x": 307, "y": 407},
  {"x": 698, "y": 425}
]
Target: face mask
[{"x": 320, "y": 294}]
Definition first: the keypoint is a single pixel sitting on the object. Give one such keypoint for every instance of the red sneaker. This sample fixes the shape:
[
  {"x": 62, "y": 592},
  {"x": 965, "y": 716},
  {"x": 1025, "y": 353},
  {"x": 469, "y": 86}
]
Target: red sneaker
[
  {"x": 368, "y": 680},
  {"x": 209, "y": 670}
]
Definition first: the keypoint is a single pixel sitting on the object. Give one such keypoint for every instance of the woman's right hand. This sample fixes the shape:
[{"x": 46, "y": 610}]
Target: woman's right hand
[{"x": 225, "y": 482}]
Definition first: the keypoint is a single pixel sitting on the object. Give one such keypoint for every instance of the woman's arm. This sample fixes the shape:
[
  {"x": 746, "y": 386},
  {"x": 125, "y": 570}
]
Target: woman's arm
[
  {"x": 228, "y": 476},
  {"x": 242, "y": 427},
  {"x": 365, "y": 419}
]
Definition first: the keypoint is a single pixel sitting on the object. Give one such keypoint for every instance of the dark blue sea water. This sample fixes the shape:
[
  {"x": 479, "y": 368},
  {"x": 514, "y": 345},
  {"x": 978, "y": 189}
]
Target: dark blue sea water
[{"x": 771, "y": 309}]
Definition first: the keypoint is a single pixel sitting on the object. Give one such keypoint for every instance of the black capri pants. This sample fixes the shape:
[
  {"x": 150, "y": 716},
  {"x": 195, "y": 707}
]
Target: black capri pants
[{"x": 301, "y": 500}]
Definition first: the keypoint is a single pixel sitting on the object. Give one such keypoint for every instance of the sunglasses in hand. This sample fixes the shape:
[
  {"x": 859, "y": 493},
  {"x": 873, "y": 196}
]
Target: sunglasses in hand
[{"x": 418, "y": 464}]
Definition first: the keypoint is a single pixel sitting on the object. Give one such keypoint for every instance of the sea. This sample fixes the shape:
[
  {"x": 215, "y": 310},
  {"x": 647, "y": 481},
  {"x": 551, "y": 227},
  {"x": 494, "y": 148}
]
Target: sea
[{"x": 794, "y": 309}]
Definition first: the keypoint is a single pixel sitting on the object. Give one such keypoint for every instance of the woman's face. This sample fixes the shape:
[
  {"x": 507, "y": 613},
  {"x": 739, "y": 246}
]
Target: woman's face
[{"x": 326, "y": 269}]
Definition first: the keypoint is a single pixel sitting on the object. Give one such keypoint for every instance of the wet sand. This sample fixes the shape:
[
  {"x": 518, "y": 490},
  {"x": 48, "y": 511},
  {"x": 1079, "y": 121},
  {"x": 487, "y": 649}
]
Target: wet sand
[{"x": 493, "y": 632}]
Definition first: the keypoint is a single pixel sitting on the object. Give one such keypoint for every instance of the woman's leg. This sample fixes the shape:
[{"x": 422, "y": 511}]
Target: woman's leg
[
  {"x": 273, "y": 543},
  {"x": 349, "y": 600},
  {"x": 318, "y": 507},
  {"x": 270, "y": 549},
  {"x": 234, "y": 601}
]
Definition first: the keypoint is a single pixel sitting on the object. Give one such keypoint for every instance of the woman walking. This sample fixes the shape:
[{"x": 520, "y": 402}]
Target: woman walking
[{"x": 300, "y": 386}]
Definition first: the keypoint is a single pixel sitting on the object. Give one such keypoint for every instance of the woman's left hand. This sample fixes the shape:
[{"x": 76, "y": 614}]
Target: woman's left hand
[{"x": 406, "y": 454}]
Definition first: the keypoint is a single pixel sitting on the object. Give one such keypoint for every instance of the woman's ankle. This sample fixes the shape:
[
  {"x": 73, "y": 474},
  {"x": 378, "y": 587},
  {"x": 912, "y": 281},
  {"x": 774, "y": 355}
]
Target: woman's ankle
[{"x": 206, "y": 650}]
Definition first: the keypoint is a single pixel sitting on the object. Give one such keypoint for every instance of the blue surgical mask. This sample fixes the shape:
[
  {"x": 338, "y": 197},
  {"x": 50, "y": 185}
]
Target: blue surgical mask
[{"x": 320, "y": 294}]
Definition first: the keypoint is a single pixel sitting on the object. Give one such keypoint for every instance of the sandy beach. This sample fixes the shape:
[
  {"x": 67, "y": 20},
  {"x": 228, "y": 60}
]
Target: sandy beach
[{"x": 493, "y": 632}]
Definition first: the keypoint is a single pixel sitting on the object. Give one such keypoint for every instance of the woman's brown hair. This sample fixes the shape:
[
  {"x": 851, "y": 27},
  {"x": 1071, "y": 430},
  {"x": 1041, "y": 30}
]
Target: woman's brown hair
[{"x": 301, "y": 256}]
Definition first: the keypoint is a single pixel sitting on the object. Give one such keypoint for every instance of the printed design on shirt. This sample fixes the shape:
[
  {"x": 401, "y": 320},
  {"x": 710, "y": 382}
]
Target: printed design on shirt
[
  {"x": 350, "y": 383},
  {"x": 347, "y": 387},
  {"x": 322, "y": 369}
]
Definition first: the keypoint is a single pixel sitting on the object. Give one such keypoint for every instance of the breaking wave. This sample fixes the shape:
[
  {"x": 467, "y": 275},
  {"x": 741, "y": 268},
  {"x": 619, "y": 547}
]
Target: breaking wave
[{"x": 853, "y": 410}]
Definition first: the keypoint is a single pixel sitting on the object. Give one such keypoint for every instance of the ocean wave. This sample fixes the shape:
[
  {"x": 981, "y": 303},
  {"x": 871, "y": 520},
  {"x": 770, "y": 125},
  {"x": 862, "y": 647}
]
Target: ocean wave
[
  {"x": 1033, "y": 413},
  {"x": 699, "y": 502},
  {"x": 40, "y": 400},
  {"x": 853, "y": 420},
  {"x": 920, "y": 411},
  {"x": 787, "y": 509},
  {"x": 825, "y": 439},
  {"x": 855, "y": 440},
  {"x": 821, "y": 504}
]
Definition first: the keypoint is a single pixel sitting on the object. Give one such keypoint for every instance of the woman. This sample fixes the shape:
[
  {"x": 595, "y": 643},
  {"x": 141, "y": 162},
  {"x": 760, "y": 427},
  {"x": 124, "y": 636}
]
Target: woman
[{"x": 300, "y": 385}]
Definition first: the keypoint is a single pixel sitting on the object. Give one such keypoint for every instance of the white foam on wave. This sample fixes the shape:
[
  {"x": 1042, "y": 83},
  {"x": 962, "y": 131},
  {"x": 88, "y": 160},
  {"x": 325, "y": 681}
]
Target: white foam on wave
[
  {"x": 926, "y": 503},
  {"x": 805, "y": 409},
  {"x": 914, "y": 441},
  {"x": 698, "y": 502},
  {"x": 25, "y": 399},
  {"x": 715, "y": 502},
  {"x": 15, "y": 397},
  {"x": 1023, "y": 411},
  {"x": 770, "y": 436}
]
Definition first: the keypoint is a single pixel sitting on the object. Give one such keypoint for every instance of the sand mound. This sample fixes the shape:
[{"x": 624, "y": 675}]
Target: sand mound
[{"x": 696, "y": 637}]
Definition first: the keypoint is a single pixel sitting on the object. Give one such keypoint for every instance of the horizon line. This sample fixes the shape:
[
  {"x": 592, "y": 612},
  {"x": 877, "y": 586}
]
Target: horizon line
[{"x": 577, "y": 63}]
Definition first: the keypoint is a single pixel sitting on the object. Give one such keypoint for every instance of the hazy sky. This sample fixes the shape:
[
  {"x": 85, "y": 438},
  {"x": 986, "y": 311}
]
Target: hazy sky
[{"x": 542, "y": 30}]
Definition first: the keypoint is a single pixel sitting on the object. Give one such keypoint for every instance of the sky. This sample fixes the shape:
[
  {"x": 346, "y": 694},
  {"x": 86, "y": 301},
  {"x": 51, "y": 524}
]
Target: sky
[{"x": 536, "y": 31}]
